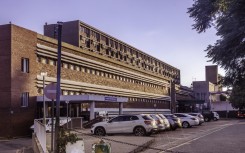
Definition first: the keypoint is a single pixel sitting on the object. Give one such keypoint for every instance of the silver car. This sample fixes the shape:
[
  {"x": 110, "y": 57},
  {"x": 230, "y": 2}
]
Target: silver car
[{"x": 199, "y": 117}]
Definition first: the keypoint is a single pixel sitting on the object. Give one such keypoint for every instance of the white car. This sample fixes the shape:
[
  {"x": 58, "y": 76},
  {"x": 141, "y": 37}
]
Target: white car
[
  {"x": 159, "y": 121},
  {"x": 187, "y": 120},
  {"x": 63, "y": 120},
  {"x": 140, "y": 125},
  {"x": 199, "y": 117},
  {"x": 165, "y": 121},
  {"x": 216, "y": 116}
]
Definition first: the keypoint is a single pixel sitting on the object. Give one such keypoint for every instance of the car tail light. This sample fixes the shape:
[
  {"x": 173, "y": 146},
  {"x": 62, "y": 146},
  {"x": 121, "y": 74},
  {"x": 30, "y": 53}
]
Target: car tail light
[
  {"x": 158, "y": 121},
  {"x": 148, "y": 122}
]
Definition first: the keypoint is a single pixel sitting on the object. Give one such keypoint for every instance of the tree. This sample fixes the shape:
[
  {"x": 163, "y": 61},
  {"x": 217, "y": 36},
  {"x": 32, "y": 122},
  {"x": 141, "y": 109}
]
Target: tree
[
  {"x": 238, "y": 96},
  {"x": 228, "y": 18}
]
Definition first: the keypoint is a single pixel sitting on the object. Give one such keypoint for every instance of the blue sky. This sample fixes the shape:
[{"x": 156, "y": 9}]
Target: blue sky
[{"x": 161, "y": 28}]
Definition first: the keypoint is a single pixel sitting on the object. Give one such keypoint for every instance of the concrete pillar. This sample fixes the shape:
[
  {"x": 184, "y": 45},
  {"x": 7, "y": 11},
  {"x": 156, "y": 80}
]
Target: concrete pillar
[
  {"x": 120, "y": 108},
  {"x": 77, "y": 110},
  {"x": 80, "y": 109},
  {"x": 92, "y": 105},
  {"x": 70, "y": 110}
]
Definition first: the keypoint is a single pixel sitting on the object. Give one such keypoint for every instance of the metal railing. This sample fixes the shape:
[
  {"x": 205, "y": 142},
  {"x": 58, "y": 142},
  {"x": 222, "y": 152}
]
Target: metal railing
[
  {"x": 74, "y": 123},
  {"x": 40, "y": 131}
]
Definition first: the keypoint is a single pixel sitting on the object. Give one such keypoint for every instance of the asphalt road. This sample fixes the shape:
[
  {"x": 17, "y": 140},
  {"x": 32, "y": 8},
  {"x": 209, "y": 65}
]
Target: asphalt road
[
  {"x": 230, "y": 139},
  {"x": 223, "y": 136}
]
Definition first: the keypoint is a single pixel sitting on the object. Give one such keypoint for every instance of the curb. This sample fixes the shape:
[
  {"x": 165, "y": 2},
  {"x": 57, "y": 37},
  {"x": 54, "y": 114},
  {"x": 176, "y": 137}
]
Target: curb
[{"x": 142, "y": 147}]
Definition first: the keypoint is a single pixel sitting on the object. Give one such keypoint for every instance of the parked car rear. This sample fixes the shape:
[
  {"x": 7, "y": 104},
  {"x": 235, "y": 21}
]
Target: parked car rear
[
  {"x": 199, "y": 116},
  {"x": 165, "y": 121},
  {"x": 187, "y": 120},
  {"x": 215, "y": 116},
  {"x": 241, "y": 114},
  {"x": 208, "y": 115},
  {"x": 159, "y": 121},
  {"x": 175, "y": 122},
  {"x": 140, "y": 125}
]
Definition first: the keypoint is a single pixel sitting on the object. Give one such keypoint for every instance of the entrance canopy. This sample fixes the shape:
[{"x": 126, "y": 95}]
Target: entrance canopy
[{"x": 87, "y": 98}]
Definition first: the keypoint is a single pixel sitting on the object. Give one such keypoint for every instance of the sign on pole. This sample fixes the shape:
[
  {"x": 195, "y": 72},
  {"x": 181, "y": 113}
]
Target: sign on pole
[{"x": 50, "y": 91}]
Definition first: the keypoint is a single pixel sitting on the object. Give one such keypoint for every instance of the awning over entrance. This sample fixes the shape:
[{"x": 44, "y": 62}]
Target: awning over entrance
[{"x": 92, "y": 99}]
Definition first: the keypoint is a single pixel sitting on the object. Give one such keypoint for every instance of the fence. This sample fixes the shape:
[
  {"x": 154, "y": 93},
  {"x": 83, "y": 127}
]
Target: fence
[
  {"x": 74, "y": 123},
  {"x": 40, "y": 132}
]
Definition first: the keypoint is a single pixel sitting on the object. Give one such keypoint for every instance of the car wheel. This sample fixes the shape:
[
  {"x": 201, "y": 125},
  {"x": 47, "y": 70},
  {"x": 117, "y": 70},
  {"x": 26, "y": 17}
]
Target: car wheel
[
  {"x": 185, "y": 124},
  {"x": 149, "y": 134},
  {"x": 206, "y": 119},
  {"x": 99, "y": 131},
  {"x": 139, "y": 131},
  {"x": 215, "y": 119},
  {"x": 173, "y": 128}
]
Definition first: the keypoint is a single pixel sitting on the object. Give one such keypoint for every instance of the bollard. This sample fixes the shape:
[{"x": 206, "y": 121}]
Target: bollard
[{"x": 101, "y": 147}]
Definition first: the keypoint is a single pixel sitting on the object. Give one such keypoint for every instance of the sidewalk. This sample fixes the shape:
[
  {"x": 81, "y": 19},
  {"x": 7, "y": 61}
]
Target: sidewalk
[
  {"x": 17, "y": 145},
  {"x": 119, "y": 143}
]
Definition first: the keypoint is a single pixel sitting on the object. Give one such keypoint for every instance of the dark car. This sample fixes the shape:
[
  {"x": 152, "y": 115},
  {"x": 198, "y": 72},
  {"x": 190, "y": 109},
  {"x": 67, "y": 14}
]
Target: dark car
[
  {"x": 175, "y": 122},
  {"x": 207, "y": 115}
]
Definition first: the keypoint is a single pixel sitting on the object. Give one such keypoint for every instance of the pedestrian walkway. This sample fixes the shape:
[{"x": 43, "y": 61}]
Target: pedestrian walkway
[{"x": 16, "y": 145}]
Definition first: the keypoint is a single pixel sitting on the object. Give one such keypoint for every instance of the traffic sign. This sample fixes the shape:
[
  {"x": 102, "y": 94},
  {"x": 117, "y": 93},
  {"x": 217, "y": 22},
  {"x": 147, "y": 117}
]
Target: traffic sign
[{"x": 50, "y": 91}]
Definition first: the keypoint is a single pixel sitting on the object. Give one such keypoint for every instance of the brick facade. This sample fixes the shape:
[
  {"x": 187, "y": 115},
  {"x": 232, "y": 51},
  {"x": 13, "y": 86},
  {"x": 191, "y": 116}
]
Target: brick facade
[{"x": 83, "y": 72}]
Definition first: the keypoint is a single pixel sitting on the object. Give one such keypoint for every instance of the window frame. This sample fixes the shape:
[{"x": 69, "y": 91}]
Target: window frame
[
  {"x": 25, "y": 65},
  {"x": 25, "y": 98}
]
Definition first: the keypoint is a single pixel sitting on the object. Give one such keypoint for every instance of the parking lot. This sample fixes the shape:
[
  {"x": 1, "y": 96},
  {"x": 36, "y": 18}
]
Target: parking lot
[{"x": 214, "y": 136}]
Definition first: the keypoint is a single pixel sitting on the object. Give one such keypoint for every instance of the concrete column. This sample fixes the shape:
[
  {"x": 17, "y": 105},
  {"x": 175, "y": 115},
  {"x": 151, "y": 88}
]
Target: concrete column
[
  {"x": 92, "y": 105},
  {"x": 70, "y": 110},
  {"x": 77, "y": 110},
  {"x": 80, "y": 109},
  {"x": 120, "y": 108}
]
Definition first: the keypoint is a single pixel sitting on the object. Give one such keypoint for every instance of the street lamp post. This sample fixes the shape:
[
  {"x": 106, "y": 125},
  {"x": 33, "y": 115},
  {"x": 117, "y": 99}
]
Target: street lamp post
[{"x": 44, "y": 74}]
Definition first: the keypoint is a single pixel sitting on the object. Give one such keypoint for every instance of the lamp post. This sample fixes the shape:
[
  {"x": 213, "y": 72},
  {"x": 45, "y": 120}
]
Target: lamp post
[{"x": 44, "y": 74}]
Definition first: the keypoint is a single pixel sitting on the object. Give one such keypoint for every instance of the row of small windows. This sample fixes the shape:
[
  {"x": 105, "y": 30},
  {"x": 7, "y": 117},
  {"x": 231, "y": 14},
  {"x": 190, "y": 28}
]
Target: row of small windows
[
  {"x": 100, "y": 38},
  {"x": 119, "y": 55},
  {"x": 65, "y": 65},
  {"x": 63, "y": 92}
]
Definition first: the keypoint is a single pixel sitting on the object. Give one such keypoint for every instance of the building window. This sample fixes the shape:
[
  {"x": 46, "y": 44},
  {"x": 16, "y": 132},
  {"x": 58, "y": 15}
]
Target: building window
[
  {"x": 51, "y": 62},
  {"x": 24, "y": 99},
  {"x": 44, "y": 60},
  {"x": 25, "y": 65},
  {"x": 65, "y": 65}
]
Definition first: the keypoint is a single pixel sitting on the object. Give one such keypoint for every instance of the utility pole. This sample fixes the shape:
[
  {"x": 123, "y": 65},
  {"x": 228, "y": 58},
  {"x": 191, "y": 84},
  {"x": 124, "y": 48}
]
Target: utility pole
[
  {"x": 57, "y": 121},
  {"x": 172, "y": 96}
]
